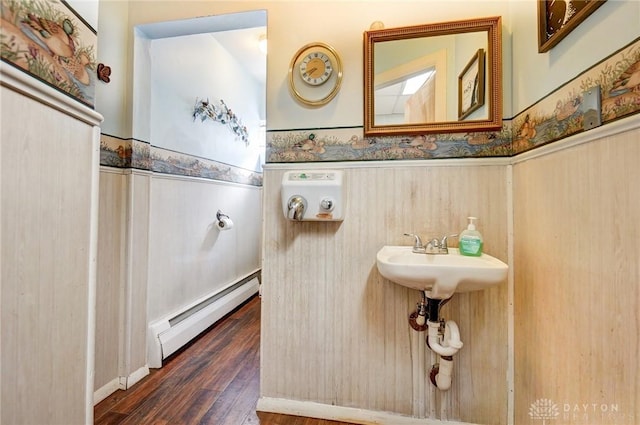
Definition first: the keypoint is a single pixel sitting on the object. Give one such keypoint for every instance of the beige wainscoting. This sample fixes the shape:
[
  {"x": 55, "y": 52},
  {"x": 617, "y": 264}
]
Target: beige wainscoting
[
  {"x": 121, "y": 310},
  {"x": 577, "y": 269},
  {"x": 49, "y": 176},
  {"x": 111, "y": 277},
  {"x": 335, "y": 332}
]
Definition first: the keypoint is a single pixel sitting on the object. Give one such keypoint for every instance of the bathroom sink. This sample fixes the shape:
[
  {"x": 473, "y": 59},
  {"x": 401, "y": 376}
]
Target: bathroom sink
[{"x": 441, "y": 275}]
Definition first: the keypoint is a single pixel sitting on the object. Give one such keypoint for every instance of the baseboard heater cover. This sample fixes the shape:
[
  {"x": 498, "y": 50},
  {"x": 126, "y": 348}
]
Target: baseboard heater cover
[{"x": 168, "y": 335}]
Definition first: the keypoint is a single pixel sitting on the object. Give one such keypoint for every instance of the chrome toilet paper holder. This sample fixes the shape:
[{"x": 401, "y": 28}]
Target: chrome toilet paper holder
[
  {"x": 220, "y": 215},
  {"x": 224, "y": 221}
]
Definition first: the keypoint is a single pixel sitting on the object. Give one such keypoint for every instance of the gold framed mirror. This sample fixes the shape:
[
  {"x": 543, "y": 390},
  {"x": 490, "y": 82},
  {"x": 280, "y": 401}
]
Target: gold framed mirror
[{"x": 413, "y": 75}]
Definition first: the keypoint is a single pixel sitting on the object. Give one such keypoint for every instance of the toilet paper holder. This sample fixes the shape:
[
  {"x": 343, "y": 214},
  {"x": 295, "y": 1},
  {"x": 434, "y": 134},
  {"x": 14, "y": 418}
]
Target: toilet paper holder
[
  {"x": 220, "y": 214},
  {"x": 224, "y": 221}
]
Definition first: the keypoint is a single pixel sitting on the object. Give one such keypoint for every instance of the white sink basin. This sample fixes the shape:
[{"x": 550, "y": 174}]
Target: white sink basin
[{"x": 442, "y": 274}]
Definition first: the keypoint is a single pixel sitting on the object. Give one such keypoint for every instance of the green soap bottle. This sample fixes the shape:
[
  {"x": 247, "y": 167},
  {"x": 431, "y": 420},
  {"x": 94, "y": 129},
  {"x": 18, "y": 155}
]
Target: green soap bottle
[{"x": 470, "y": 240}]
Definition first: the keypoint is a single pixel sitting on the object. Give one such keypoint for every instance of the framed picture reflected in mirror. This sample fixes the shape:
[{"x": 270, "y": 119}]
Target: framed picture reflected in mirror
[{"x": 471, "y": 86}]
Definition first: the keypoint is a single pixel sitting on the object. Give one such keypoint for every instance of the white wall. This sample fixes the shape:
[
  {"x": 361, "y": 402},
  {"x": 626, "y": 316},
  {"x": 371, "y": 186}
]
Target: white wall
[
  {"x": 140, "y": 115},
  {"x": 113, "y": 100},
  {"x": 88, "y": 9},
  {"x": 188, "y": 255},
  {"x": 466, "y": 48},
  {"x": 198, "y": 66},
  {"x": 288, "y": 30},
  {"x": 612, "y": 26},
  {"x": 589, "y": 43}
]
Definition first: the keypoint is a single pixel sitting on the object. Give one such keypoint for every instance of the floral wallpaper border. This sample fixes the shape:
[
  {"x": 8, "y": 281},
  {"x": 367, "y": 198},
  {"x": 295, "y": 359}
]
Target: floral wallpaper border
[
  {"x": 350, "y": 145},
  {"x": 555, "y": 117},
  {"x": 561, "y": 114},
  {"x": 130, "y": 153}
]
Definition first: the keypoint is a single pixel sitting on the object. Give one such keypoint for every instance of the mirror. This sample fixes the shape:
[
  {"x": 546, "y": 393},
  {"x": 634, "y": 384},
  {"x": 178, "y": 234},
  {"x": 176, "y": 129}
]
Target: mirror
[{"x": 433, "y": 78}]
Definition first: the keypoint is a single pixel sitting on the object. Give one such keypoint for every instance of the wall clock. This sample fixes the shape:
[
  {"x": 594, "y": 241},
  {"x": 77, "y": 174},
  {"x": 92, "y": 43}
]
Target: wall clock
[{"x": 315, "y": 74}]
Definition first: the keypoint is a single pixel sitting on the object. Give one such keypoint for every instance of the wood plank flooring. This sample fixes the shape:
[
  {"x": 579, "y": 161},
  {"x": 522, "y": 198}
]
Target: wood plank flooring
[{"x": 214, "y": 380}]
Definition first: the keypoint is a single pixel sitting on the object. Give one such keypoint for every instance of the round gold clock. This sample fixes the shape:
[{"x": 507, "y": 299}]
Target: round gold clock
[
  {"x": 315, "y": 74},
  {"x": 316, "y": 68}
]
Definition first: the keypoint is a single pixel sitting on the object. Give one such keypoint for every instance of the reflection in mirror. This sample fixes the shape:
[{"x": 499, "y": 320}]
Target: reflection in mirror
[
  {"x": 413, "y": 77},
  {"x": 412, "y": 83}
]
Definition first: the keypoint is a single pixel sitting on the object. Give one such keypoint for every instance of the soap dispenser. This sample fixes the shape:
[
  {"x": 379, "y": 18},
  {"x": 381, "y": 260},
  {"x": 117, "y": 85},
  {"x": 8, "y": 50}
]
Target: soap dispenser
[{"x": 470, "y": 240}]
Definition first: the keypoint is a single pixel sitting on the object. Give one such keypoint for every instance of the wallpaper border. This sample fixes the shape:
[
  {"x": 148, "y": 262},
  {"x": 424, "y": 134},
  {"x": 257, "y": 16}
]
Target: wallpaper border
[{"x": 131, "y": 153}]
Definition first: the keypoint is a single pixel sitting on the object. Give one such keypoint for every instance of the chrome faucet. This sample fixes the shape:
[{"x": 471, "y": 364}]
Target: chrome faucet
[
  {"x": 418, "y": 248},
  {"x": 433, "y": 247}
]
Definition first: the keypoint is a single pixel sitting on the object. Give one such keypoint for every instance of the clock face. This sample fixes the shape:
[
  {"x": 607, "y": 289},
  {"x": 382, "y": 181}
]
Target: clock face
[
  {"x": 315, "y": 74},
  {"x": 316, "y": 68}
]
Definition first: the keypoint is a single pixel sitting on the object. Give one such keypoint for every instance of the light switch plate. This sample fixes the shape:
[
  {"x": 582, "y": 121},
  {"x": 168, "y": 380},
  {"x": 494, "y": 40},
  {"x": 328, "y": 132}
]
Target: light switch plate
[{"x": 591, "y": 108}]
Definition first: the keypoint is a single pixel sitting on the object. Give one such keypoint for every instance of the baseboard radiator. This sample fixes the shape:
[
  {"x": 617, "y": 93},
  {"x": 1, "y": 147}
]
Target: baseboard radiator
[{"x": 169, "y": 334}]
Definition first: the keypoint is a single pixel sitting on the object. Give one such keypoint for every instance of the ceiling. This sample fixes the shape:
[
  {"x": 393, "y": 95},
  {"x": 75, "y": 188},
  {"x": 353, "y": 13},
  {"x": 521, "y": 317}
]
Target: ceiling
[
  {"x": 391, "y": 99},
  {"x": 243, "y": 46},
  {"x": 239, "y": 33}
]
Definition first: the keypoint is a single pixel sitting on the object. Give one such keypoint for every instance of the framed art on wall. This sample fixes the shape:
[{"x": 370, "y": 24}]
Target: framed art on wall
[
  {"x": 557, "y": 18},
  {"x": 48, "y": 40},
  {"x": 471, "y": 86}
]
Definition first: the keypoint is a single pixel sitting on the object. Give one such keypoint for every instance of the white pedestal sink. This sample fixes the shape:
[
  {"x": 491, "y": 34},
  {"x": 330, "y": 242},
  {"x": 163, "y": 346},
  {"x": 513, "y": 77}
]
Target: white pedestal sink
[{"x": 441, "y": 275}]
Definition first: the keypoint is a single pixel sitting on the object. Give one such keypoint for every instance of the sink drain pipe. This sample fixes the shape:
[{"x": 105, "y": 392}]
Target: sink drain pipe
[
  {"x": 444, "y": 340},
  {"x": 440, "y": 374},
  {"x": 451, "y": 339}
]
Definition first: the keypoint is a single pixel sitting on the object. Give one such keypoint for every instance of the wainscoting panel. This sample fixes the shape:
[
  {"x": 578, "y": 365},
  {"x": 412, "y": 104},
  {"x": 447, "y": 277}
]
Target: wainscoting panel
[
  {"x": 335, "y": 332},
  {"x": 189, "y": 257},
  {"x": 138, "y": 268},
  {"x": 121, "y": 349},
  {"x": 49, "y": 212},
  {"x": 111, "y": 275},
  {"x": 577, "y": 268}
]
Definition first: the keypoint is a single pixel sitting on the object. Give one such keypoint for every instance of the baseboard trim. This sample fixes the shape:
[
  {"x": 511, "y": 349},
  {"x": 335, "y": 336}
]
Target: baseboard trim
[
  {"x": 106, "y": 390},
  {"x": 343, "y": 414},
  {"x": 119, "y": 383},
  {"x": 129, "y": 381}
]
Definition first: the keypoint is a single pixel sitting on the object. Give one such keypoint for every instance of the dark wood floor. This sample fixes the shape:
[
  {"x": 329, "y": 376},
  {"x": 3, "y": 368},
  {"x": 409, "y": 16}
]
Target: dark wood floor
[{"x": 215, "y": 380}]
